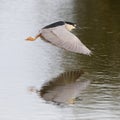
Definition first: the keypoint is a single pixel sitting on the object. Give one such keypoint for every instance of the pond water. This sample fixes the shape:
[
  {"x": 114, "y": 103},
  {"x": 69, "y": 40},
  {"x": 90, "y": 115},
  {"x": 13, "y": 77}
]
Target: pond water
[{"x": 31, "y": 64}]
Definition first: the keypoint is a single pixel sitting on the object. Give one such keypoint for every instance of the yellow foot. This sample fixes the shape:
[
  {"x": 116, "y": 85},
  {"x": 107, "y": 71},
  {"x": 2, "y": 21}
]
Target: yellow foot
[
  {"x": 71, "y": 101},
  {"x": 30, "y": 38}
]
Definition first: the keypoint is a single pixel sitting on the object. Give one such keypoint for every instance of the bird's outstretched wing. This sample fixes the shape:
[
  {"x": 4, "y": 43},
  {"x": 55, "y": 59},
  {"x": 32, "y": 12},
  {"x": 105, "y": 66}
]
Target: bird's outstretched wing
[{"x": 64, "y": 39}]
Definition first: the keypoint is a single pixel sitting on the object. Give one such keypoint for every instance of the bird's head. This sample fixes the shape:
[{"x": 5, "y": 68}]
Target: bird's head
[{"x": 70, "y": 26}]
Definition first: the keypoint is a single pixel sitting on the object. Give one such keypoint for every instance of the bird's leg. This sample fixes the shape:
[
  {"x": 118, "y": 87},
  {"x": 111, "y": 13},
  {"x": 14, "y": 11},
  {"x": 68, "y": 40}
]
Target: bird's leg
[
  {"x": 71, "y": 101},
  {"x": 33, "y": 38}
]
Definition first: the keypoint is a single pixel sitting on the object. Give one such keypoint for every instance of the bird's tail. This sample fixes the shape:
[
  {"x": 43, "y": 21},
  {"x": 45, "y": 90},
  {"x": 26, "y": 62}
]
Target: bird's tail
[{"x": 33, "y": 38}]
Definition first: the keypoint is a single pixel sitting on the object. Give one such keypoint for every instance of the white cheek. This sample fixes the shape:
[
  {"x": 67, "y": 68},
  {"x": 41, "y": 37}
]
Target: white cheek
[{"x": 70, "y": 27}]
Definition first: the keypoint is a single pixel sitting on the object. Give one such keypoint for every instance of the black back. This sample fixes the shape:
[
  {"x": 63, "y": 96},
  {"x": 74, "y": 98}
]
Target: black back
[
  {"x": 59, "y": 23},
  {"x": 70, "y": 23}
]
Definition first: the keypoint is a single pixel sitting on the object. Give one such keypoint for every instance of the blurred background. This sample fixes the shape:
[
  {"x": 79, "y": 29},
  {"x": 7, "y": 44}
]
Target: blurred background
[{"x": 24, "y": 64}]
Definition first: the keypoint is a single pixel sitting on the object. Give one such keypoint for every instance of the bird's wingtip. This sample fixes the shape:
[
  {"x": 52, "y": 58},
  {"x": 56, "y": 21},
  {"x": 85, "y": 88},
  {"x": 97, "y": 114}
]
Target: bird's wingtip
[{"x": 89, "y": 53}]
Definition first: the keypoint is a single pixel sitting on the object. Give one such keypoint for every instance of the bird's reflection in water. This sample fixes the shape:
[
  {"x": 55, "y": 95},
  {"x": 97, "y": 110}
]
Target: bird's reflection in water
[{"x": 65, "y": 88}]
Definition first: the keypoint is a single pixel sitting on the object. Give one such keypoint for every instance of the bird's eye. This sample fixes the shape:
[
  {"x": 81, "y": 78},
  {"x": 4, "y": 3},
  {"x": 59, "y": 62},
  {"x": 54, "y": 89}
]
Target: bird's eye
[{"x": 75, "y": 25}]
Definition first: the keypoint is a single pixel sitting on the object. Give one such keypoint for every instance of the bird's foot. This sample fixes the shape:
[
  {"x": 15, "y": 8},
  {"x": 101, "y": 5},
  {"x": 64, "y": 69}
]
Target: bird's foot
[
  {"x": 71, "y": 101},
  {"x": 31, "y": 39}
]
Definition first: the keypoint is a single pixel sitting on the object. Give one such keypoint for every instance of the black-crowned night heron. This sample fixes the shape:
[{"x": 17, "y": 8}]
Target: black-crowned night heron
[
  {"x": 59, "y": 35},
  {"x": 65, "y": 88}
]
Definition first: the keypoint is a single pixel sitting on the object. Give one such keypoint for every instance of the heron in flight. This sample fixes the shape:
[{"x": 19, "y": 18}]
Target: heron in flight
[{"x": 59, "y": 34}]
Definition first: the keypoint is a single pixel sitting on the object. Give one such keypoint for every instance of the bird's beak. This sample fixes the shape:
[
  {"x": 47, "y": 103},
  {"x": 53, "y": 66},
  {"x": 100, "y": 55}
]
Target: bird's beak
[
  {"x": 78, "y": 27},
  {"x": 82, "y": 28}
]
